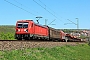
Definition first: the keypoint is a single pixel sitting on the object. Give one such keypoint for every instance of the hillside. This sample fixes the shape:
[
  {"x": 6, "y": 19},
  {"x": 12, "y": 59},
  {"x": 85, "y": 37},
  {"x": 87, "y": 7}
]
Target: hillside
[
  {"x": 7, "y": 32},
  {"x": 7, "y": 28}
]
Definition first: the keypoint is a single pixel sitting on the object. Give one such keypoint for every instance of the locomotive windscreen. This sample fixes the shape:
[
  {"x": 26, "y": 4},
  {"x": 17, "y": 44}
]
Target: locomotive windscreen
[{"x": 22, "y": 25}]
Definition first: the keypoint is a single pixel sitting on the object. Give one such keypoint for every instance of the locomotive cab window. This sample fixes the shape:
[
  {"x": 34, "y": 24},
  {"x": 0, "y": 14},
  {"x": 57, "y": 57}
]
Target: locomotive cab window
[{"x": 22, "y": 25}]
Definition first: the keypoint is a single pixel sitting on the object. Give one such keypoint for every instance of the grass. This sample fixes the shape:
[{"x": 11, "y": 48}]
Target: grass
[
  {"x": 7, "y": 28},
  {"x": 80, "y": 52},
  {"x": 7, "y": 32}
]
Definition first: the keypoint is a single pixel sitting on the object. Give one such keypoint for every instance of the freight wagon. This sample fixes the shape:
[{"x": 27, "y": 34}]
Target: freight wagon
[
  {"x": 56, "y": 35},
  {"x": 72, "y": 38}
]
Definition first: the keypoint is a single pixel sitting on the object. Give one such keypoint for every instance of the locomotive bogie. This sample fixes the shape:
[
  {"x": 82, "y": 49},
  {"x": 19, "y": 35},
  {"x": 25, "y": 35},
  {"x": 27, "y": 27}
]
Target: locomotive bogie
[{"x": 22, "y": 36}]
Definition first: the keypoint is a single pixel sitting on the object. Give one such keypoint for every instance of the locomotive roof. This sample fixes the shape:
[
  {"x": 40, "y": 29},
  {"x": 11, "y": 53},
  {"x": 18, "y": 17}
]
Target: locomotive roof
[
  {"x": 24, "y": 20},
  {"x": 33, "y": 22},
  {"x": 41, "y": 25}
]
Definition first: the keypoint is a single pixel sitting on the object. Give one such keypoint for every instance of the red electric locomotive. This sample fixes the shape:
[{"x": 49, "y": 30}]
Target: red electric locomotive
[{"x": 27, "y": 29}]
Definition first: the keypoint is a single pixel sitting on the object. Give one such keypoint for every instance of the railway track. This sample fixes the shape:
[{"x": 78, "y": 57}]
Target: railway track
[
  {"x": 29, "y": 40},
  {"x": 21, "y": 44}
]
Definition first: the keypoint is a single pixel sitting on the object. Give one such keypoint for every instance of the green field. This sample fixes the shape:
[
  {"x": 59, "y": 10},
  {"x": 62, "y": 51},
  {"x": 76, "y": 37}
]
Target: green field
[
  {"x": 7, "y": 32},
  {"x": 80, "y": 52}
]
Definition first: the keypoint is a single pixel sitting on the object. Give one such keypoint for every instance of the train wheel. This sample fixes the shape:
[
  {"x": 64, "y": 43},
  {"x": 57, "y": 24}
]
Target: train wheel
[
  {"x": 27, "y": 38},
  {"x": 19, "y": 39},
  {"x": 55, "y": 40}
]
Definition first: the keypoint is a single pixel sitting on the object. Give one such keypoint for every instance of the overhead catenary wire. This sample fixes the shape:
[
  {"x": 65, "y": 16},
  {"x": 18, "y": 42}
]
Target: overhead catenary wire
[
  {"x": 46, "y": 6},
  {"x": 50, "y": 9},
  {"x": 24, "y": 6},
  {"x": 42, "y": 3},
  {"x": 51, "y": 22},
  {"x": 72, "y": 21},
  {"x": 47, "y": 10},
  {"x": 19, "y": 7}
]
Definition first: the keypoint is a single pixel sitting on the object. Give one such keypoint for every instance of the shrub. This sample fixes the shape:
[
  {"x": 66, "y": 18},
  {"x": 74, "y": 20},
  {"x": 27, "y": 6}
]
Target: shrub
[{"x": 6, "y": 36}]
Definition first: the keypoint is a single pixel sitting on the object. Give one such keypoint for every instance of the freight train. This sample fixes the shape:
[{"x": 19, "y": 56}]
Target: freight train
[{"x": 28, "y": 29}]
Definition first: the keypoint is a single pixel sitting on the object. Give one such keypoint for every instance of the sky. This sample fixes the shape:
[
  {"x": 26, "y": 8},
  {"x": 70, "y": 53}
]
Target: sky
[{"x": 57, "y": 13}]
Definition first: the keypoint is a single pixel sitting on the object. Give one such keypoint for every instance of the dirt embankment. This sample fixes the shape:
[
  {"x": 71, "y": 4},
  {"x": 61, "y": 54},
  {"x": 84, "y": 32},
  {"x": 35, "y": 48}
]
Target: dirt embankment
[{"x": 10, "y": 45}]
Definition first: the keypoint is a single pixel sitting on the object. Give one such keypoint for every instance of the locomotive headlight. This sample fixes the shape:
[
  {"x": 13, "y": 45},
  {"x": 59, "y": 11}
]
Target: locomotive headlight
[
  {"x": 24, "y": 29},
  {"x": 18, "y": 30}
]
